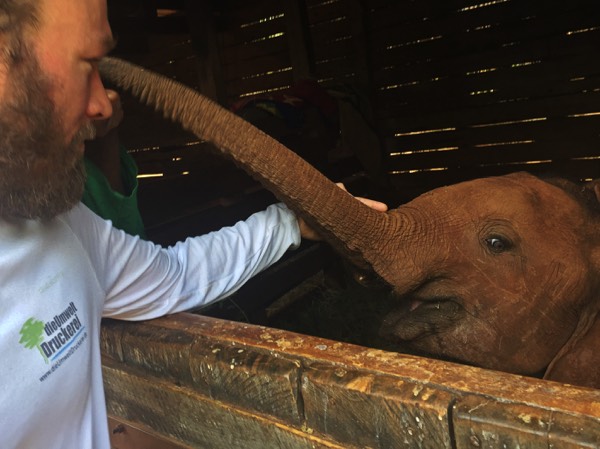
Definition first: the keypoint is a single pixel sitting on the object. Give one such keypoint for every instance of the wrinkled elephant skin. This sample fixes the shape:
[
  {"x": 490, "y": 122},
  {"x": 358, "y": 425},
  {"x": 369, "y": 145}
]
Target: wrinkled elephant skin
[
  {"x": 512, "y": 274},
  {"x": 499, "y": 272}
]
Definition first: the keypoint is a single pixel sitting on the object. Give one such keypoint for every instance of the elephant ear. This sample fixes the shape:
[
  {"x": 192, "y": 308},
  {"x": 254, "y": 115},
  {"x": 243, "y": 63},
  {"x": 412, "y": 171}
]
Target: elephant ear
[
  {"x": 594, "y": 186},
  {"x": 578, "y": 361}
]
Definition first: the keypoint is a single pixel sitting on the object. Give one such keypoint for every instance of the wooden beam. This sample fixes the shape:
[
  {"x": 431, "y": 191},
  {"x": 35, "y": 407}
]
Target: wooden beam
[
  {"x": 298, "y": 38},
  {"x": 204, "y": 40},
  {"x": 206, "y": 382}
]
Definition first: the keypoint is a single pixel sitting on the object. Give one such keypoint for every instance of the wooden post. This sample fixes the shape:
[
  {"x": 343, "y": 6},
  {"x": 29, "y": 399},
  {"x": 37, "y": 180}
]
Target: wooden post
[
  {"x": 204, "y": 40},
  {"x": 299, "y": 42},
  {"x": 357, "y": 14}
]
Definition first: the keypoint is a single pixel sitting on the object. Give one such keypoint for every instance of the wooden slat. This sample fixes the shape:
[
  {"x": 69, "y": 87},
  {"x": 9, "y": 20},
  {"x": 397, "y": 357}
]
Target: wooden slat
[
  {"x": 325, "y": 13},
  {"x": 552, "y": 132},
  {"x": 417, "y": 183},
  {"x": 338, "y": 67},
  {"x": 183, "y": 377},
  {"x": 389, "y": 14},
  {"x": 426, "y": 117},
  {"x": 442, "y": 96},
  {"x": 258, "y": 66},
  {"x": 125, "y": 435},
  {"x": 330, "y": 50},
  {"x": 328, "y": 32},
  {"x": 481, "y": 423},
  {"x": 472, "y": 31},
  {"x": 260, "y": 84},
  {"x": 495, "y": 68},
  {"x": 246, "y": 52},
  {"x": 236, "y": 36},
  {"x": 195, "y": 420},
  {"x": 375, "y": 411},
  {"x": 241, "y": 13}
]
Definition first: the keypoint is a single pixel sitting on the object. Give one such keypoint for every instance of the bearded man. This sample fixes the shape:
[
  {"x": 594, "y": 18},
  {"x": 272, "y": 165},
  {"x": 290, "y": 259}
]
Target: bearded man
[{"x": 62, "y": 268}]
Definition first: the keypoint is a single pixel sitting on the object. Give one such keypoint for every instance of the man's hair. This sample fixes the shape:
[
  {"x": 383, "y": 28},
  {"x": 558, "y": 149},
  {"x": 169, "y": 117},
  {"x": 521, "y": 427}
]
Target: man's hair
[{"x": 17, "y": 17}]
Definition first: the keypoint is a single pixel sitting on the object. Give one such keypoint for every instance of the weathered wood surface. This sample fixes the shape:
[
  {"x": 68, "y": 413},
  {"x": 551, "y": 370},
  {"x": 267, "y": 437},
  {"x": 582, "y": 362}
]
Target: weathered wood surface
[
  {"x": 220, "y": 384},
  {"x": 125, "y": 435}
]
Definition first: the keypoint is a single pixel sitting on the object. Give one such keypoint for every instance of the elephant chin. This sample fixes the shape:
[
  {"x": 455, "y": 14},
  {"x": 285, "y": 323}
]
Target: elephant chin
[{"x": 415, "y": 319}]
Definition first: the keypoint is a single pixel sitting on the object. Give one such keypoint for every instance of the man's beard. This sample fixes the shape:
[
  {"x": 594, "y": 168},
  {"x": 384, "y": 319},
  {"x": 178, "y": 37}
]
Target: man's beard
[{"x": 41, "y": 174}]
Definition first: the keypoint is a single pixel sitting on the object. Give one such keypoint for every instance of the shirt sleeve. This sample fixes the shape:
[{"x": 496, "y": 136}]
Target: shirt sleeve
[{"x": 141, "y": 280}]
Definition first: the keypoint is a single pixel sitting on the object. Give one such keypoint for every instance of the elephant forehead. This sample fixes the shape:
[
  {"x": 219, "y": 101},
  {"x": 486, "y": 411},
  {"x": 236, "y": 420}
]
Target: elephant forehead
[{"x": 517, "y": 198}]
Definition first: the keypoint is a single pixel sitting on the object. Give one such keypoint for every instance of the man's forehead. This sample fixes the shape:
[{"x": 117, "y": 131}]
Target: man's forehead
[{"x": 84, "y": 21}]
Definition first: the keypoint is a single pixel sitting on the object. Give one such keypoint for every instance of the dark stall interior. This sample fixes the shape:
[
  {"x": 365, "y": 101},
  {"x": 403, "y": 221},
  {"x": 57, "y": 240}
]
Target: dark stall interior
[{"x": 391, "y": 97}]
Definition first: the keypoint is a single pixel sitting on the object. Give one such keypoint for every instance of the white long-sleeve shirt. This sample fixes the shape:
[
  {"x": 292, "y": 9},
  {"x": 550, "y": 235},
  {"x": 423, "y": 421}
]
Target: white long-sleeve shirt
[{"x": 58, "y": 279}]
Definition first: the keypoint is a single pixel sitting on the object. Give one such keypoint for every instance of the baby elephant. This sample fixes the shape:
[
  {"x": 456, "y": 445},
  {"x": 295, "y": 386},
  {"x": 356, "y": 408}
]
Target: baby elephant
[
  {"x": 499, "y": 272},
  {"x": 504, "y": 273}
]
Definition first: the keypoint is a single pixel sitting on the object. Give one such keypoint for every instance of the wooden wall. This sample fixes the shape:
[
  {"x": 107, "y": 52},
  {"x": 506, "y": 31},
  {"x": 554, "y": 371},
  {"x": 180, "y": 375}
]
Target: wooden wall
[{"x": 455, "y": 89}]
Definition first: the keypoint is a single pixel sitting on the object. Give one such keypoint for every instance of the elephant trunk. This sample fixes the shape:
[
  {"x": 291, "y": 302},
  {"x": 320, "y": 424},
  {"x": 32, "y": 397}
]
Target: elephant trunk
[{"x": 356, "y": 231}]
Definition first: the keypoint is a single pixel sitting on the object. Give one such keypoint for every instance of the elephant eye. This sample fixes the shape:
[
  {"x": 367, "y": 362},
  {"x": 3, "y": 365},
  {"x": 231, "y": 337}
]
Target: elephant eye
[{"x": 497, "y": 244}]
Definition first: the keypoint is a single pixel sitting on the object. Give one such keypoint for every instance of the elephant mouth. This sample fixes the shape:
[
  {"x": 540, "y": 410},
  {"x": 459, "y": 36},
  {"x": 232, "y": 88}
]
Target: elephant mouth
[{"x": 419, "y": 316}]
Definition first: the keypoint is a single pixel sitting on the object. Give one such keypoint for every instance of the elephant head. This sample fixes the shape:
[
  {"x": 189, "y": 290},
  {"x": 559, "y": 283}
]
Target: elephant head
[{"x": 501, "y": 272}]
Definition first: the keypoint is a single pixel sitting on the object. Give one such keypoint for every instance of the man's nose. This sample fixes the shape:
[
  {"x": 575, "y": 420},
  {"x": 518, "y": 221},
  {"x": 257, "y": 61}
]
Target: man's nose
[{"x": 99, "y": 105}]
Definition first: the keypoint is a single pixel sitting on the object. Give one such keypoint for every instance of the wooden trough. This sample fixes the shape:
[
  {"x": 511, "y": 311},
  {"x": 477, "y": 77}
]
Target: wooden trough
[
  {"x": 457, "y": 89},
  {"x": 194, "y": 381}
]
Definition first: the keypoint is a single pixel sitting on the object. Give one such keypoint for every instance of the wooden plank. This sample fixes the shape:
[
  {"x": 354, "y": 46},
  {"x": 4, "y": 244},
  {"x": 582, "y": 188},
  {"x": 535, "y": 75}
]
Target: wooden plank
[
  {"x": 243, "y": 14},
  {"x": 415, "y": 183},
  {"x": 325, "y": 33},
  {"x": 499, "y": 25},
  {"x": 387, "y": 13},
  {"x": 330, "y": 50},
  {"x": 445, "y": 94},
  {"x": 482, "y": 423},
  {"x": 453, "y": 377},
  {"x": 375, "y": 411},
  {"x": 347, "y": 396},
  {"x": 230, "y": 373},
  {"x": 239, "y": 54},
  {"x": 272, "y": 25},
  {"x": 263, "y": 65},
  {"x": 327, "y": 12},
  {"x": 260, "y": 84},
  {"x": 552, "y": 132},
  {"x": 496, "y": 68},
  {"x": 337, "y": 68},
  {"x": 195, "y": 420},
  {"x": 427, "y": 117},
  {"x": 125, "y": 435}
]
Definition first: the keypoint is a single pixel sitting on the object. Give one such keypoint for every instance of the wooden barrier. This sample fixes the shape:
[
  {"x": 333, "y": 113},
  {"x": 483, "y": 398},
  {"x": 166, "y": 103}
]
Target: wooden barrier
[{"x": 196, "y": 381}]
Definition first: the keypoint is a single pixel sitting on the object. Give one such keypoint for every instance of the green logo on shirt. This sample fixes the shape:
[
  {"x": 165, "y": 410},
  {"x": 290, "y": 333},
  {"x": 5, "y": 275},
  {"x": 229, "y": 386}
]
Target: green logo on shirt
[
  {"x": 32, "y": 335},
  {"x": 53, "y": 337}
]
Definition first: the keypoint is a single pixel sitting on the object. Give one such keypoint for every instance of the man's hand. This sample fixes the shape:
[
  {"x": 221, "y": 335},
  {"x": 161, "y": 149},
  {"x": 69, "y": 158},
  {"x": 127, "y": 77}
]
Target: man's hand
[{"x": 308, "y": 233}]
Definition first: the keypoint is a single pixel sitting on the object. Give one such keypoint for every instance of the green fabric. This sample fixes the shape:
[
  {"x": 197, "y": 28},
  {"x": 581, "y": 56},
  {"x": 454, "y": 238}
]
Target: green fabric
[{"x": 122, "y": 210}]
